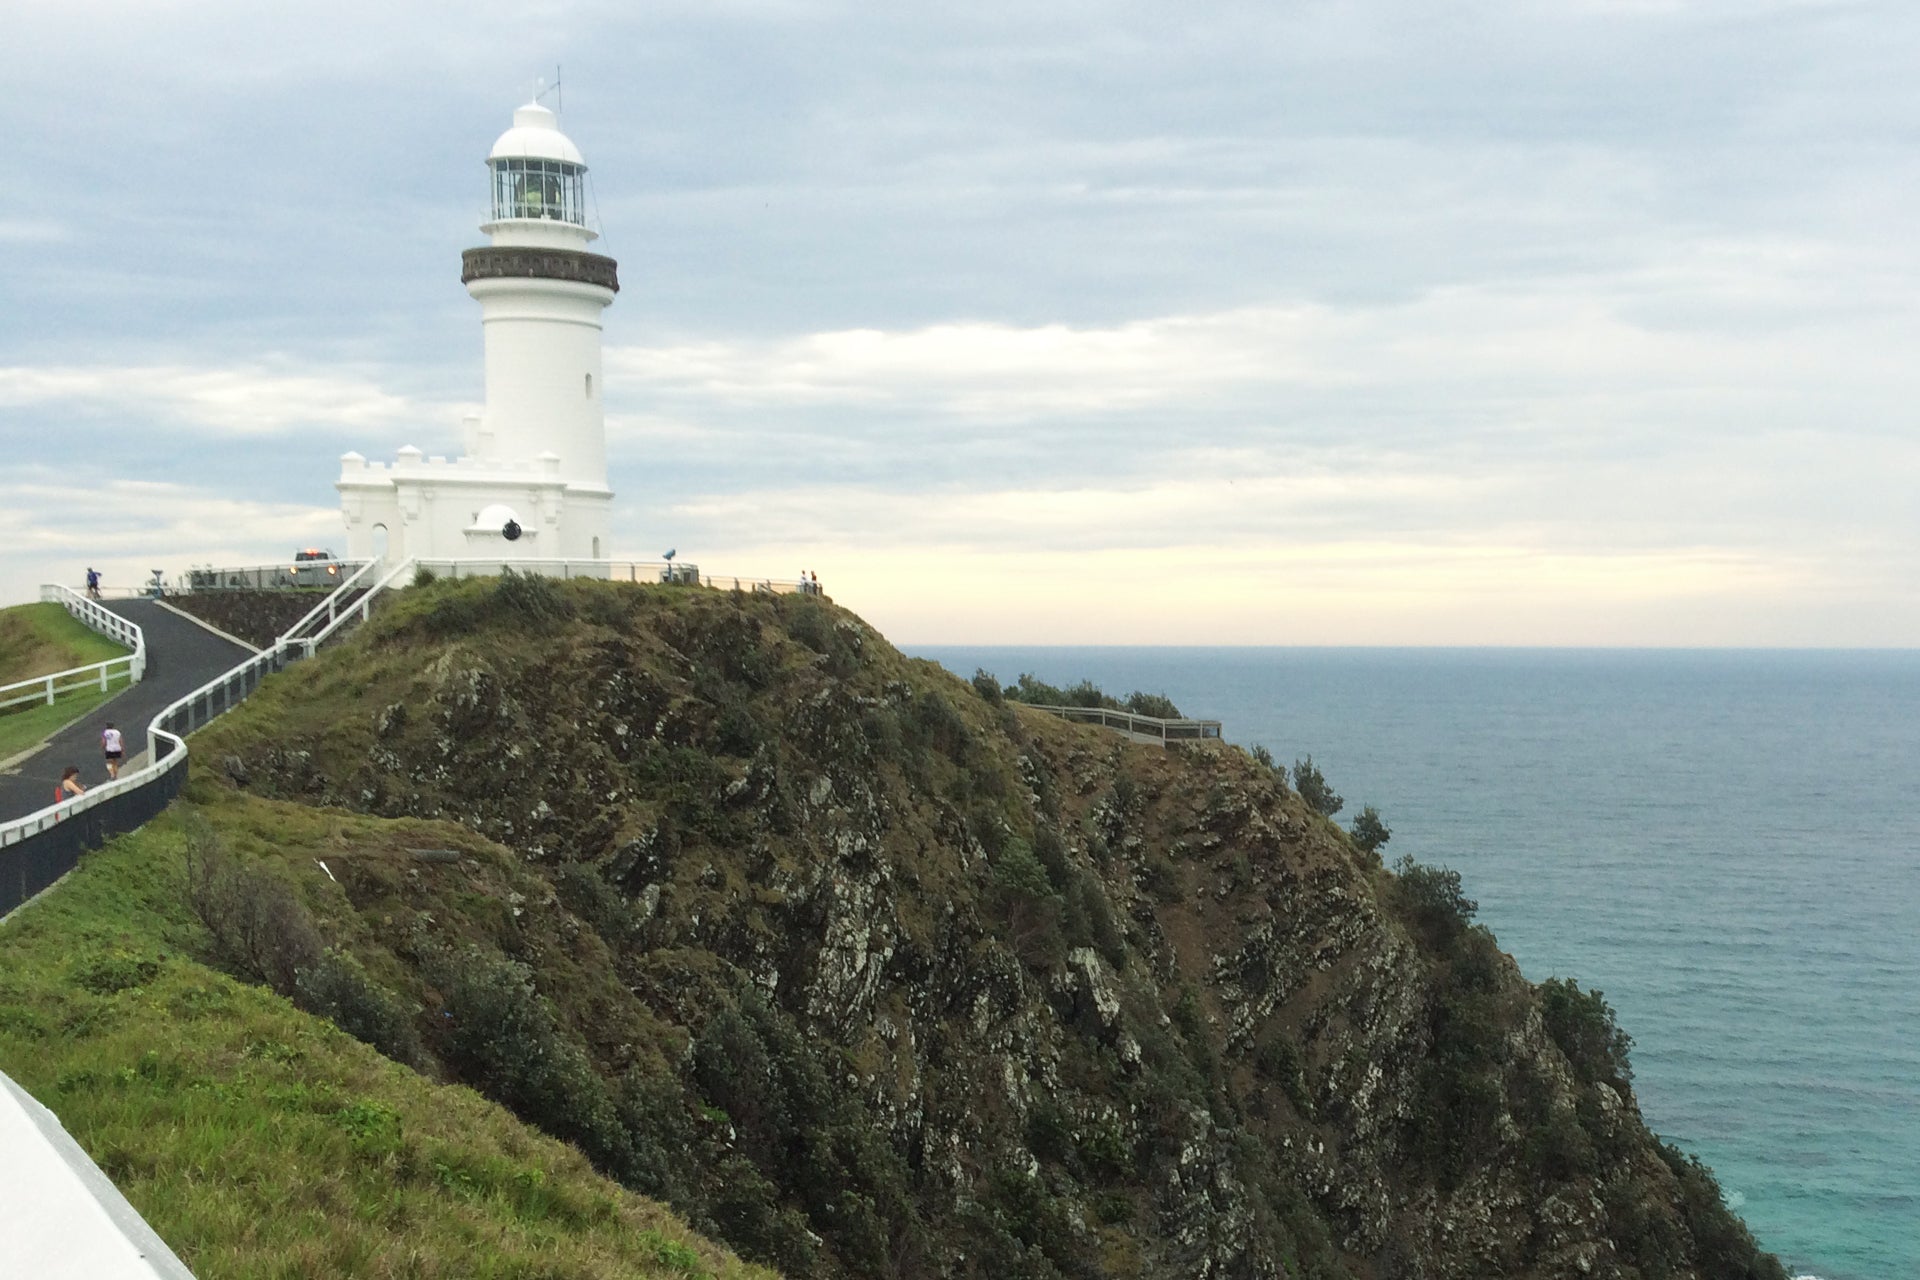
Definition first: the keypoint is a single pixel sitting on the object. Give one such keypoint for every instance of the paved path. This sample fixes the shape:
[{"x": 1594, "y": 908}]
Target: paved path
[{"x": 181, "y": 656}]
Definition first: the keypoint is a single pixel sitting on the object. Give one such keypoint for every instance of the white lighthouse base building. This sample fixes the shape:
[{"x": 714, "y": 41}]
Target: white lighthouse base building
[
  {"x": 532, "y": 484},
  {"x": 440, "y": 508}
]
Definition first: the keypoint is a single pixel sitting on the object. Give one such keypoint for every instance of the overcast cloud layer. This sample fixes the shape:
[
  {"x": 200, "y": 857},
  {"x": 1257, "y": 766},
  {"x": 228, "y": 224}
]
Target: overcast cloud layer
[{"x": 1494, "y": 322}]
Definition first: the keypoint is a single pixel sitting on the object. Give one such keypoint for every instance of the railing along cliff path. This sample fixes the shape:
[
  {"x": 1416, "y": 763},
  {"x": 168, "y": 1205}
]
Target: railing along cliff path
[{"x": 1155, "y": 729}]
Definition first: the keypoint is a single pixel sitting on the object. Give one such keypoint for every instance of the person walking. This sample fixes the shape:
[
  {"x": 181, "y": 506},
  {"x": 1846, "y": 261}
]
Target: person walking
[
  {"x": 114, "y": 747},
  {"x": 69, "y": 785},
  {"x": 93, "y": 583}
]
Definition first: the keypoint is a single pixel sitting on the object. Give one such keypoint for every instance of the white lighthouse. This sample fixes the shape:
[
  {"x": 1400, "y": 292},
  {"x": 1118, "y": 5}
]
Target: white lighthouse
[{"x": 533, "y": 481}]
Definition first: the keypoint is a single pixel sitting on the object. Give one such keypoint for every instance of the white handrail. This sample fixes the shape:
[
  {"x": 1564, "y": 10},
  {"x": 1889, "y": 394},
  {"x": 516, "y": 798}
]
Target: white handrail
[
  {"x": 362, "y": 607},
  {"x": 158, "y": 765},
  {"x": 46, "y": 689},
  {"x": 97, "y": 616},
  {"x": 20, "y": 828},
  {"x": 95, "y": 674},
  {"x": 330, "y": 605},
  {"x": 1164, "y": 728}
]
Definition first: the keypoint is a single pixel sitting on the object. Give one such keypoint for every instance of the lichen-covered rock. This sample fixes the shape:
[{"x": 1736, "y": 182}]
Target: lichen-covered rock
[{"x": 876, "y": 977}]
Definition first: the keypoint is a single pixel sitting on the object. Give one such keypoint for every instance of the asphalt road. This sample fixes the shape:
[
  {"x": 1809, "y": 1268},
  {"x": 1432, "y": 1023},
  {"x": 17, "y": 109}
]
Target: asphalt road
[{"x": 181, "y": 656}]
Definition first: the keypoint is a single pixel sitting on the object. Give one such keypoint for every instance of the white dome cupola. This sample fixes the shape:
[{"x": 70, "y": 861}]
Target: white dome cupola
[{"x": 538, "y": 174}]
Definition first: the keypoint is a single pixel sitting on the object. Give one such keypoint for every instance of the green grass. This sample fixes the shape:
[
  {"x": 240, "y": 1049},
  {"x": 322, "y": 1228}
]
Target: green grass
[
  {"x": 261, "y": 1142},
  {"x": 40, "y": 639}
]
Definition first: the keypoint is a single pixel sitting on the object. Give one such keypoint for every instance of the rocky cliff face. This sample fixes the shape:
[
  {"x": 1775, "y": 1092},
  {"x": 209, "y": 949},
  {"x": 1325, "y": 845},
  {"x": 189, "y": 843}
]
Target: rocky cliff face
[{"x": 874, "y": 974}]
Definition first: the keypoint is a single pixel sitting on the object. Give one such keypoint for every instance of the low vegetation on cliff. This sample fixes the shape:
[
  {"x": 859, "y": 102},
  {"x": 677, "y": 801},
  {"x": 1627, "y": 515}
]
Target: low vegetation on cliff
[
  {"x": 872, "y": 972},
  {"x": 261, "y": 1141}
]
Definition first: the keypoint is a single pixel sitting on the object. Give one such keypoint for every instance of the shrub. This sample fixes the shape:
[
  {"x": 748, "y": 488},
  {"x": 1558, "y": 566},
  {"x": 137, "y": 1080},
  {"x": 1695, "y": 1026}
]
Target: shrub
[
  {"x": 1262, "y": 757},
  {"x": 932, "y": 723},
  {"x": 1313, "y": 788},
  {"x": 1368, "y": 831},
  {"x": 816, "y": 626},
  {"x": 1088, "y": 921},
  {"x": 1456, "y": 1122},
  {"x": 988, "y": 687},
  {"x": 116, "y": 970},
  {"x": 338, "y": 989},
  {"x": 1582, "y": 1024},
  {"x": 502, "y": 1037},
  {"x": 531, "y": 597},
  {"x": 262, "y": 932},
  {"x": 423, "y": 576},
  {"x": 1031, "y": 908},
  {"x": 1039, "y": 692},
  {"x": 1724, "y": 1245},
  {"x": 1433, "y": 901},
  {"x": 1276, "y": 1058},
  {"x": 259, "y": 929},
  {"x": 1153, "y": 704}
]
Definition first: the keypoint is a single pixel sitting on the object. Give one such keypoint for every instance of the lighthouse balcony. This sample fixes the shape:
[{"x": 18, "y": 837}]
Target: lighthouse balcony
[{"x": 521, "y": 262}]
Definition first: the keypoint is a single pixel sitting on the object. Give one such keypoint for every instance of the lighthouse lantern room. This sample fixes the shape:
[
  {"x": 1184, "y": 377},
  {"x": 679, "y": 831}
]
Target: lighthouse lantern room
[{"x": 532, "y": 483}]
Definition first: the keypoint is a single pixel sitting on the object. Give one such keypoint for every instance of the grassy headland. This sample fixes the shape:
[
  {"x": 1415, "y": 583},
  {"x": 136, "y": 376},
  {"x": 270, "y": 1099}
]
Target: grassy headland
[
  {"x": 868, "y": 971},
  {"x": 260, "y": 1141}
]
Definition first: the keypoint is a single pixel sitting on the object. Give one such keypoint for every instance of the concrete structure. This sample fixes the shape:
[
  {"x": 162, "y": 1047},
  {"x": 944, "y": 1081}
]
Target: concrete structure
[
  {"x": 60, "y": 1217},
  {"x": 533, "y": 481}
]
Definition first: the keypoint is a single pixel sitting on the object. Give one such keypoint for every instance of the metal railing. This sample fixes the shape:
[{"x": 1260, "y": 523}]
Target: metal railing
[
  {"x": 603, "y": 570},
  {"x": 46, "y": 690},
  {"x": 360, "y": 609},
  {"x": 1157, "y": 728},
  {"x": 767, "y": 586},
  {"x": 331, "y": 607},
  {"x": 98, "y": 617},
  {"x": 609, "y": 571},
  {"x": 285, "y": 576}
]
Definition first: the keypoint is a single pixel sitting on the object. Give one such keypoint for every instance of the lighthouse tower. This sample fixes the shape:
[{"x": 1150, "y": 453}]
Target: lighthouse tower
[{"x": 533, "y": 481}]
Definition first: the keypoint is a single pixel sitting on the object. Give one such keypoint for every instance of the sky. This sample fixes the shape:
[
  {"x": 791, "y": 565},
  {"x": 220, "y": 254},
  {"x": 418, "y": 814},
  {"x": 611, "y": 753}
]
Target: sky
[{"x": 1491, "y": 322}]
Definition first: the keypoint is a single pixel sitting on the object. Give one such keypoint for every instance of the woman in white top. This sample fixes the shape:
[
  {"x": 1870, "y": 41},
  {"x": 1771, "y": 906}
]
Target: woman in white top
[{"x": 114, "y": 748}]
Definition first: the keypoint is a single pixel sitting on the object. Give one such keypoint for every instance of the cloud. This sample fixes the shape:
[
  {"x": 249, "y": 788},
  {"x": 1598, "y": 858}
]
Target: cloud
[
  {"x": 55, "y": 523},
  {"x": 1592, "y": 289},
  {"x": 220, "y": 401},
  {"x": 32, "y": 231}
]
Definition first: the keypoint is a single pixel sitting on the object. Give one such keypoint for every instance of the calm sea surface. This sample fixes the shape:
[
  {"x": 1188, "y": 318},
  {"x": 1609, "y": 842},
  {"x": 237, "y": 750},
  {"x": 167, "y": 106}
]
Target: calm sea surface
[{"x": 1726, "y": 843}]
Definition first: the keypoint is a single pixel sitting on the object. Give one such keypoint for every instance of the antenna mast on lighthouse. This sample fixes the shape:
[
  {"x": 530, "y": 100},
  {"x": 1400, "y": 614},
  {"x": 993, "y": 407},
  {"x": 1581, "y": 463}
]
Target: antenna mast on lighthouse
[{"x": 541, "y": 89}]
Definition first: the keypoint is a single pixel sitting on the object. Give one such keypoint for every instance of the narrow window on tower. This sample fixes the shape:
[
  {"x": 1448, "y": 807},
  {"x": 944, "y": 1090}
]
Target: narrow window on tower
[{"x": 589, "y": 386}]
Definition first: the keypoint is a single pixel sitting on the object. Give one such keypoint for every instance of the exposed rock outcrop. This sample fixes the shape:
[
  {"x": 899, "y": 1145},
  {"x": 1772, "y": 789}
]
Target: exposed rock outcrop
[{"x": 875, "y": 976}]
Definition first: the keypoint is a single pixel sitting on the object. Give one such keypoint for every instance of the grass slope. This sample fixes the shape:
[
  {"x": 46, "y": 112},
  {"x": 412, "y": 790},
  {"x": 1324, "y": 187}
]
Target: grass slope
[
  {"x": 39, "y": 640},
  {"x": 261, "y": 1142}
]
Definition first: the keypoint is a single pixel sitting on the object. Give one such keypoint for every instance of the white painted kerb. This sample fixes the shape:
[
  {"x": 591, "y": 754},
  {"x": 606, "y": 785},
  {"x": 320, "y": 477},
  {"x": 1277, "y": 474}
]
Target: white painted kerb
[{"x": 60, "y": 1218}]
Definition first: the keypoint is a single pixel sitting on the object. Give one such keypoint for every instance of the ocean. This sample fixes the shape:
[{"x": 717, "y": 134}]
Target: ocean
[{"x": 1726, "y": 843}]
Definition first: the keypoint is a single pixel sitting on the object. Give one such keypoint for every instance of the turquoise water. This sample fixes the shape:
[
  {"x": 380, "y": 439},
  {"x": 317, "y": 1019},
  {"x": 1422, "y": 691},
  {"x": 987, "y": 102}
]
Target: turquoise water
[{"x": 1726, "y": 843}]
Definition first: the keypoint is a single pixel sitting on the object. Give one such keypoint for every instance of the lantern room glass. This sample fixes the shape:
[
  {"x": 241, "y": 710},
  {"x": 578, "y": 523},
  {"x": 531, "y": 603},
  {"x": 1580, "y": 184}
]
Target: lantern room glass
[{"x": 549, "y": 189}]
